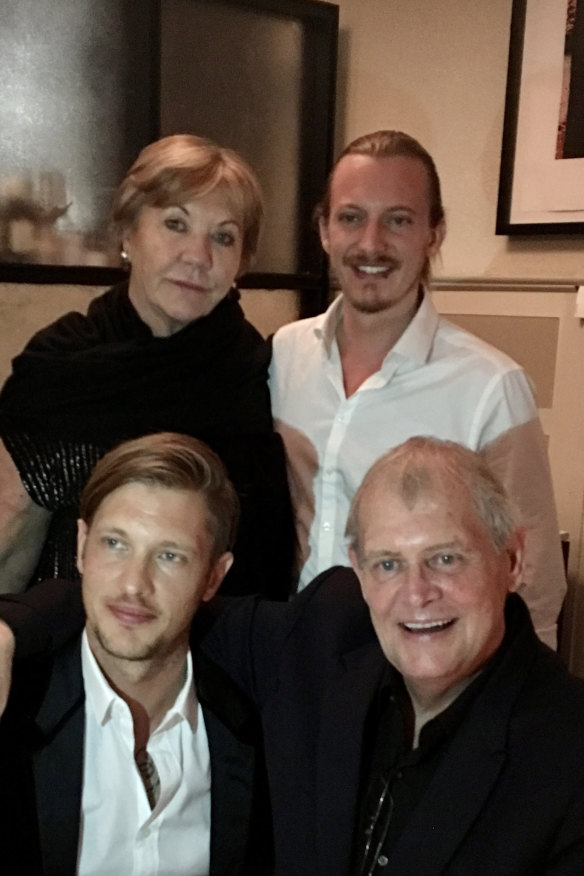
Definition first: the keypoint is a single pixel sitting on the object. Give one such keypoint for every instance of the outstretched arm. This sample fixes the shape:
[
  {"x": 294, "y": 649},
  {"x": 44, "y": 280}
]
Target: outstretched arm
[
  {"x": 40, "y": 620},
  {"x": 23, "y": 528}
]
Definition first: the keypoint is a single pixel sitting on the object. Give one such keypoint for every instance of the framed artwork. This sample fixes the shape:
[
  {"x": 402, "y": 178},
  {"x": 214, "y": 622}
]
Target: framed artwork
[
  {"x": 104, "y": 79},
  {"x": 541, "y": 186}
]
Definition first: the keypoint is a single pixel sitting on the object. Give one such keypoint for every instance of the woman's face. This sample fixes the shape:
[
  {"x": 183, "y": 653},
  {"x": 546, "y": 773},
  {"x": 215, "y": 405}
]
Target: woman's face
[{"x": 184, "y": 260}]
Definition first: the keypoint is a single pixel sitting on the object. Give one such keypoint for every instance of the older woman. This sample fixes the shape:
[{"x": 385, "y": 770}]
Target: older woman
[{"x": 169, "y": 350}]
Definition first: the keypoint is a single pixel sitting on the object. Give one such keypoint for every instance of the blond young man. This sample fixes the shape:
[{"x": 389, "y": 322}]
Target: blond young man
[{"x": 381, "y": 366}]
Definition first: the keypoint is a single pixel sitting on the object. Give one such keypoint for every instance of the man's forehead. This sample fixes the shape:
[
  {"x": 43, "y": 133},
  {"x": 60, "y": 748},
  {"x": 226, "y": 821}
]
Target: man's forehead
[
  {"x": 391, "y": 522},
  {"x": 136, "y": 497},
  {"x": 411, "y": 491},
  {"x": 355, "y": 168},
  {"x": 410, "y": 482}
]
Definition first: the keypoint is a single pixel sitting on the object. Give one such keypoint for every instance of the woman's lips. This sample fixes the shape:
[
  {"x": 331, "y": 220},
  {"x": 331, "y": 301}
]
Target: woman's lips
[{"x": 190, "y": 287}]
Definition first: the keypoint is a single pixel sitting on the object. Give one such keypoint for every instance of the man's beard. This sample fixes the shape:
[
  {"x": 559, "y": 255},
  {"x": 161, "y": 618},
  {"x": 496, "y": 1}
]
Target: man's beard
[
  {"x": 142, "y": 651},
  {"x": 377, "y": 306}
]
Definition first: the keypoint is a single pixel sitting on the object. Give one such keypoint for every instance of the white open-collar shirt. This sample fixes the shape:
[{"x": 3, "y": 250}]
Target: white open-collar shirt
[
  {"x": 119, "y": 833},
  {"x": 437, "y": 380}
]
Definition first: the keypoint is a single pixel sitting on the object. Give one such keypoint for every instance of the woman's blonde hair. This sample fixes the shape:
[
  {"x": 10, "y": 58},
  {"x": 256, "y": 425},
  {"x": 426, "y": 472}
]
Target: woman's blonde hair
[{"x": 180, "y": 167}]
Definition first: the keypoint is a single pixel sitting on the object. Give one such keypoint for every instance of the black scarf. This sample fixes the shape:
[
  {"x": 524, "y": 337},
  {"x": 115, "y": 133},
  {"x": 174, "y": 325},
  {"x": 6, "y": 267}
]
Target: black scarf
[
  {"x": 104, "y": 378},
  {"x": 100, "y": 379}
]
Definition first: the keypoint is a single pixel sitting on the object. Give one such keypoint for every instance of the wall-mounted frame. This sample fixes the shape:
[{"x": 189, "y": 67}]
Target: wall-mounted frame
[
  {"x": 541, "y": 186},
  {"x": 256, "y": 75}
]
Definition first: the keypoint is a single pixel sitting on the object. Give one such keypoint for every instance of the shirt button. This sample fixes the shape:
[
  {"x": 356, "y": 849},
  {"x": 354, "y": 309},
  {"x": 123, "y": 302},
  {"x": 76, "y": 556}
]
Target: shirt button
[
  {"x": 326, "y": 526},
  {"x": 399, "y": 774},
  {"x": 383, "y": 861}
]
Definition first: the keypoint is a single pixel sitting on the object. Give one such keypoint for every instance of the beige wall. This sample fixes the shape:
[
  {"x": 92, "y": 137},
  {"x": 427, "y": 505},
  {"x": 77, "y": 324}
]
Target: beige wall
[
  {"x": 24, "y": 309},
  {"x": 437, "y": 69}
]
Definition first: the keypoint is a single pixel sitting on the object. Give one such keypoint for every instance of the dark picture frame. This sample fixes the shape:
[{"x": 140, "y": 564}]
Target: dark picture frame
[
  {"x": 267, "y": 90},
  {"x": 541, "y": 184},
  {"x": 265, "y": 77}
]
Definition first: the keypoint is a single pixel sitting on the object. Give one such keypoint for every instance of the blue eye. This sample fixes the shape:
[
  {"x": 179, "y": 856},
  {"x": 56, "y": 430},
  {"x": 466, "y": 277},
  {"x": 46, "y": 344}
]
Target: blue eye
[
  {"x": 348, "y": 218},
  {"x": 171, "y": 557},
  {"x": 388, "y": 567},
  {"x": 224, "y": 238},
  {"x": 446, "y": 562},
  {"x": 112, "y": 543},
  {"x": 399, "y": 221},
  {"x": 175, "y": 223}
]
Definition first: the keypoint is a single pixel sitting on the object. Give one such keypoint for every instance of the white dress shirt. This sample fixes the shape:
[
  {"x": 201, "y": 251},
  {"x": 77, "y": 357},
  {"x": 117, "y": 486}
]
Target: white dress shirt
[
  {"x": 119, "y": 834},
  {"x": 437, "y": 380}
]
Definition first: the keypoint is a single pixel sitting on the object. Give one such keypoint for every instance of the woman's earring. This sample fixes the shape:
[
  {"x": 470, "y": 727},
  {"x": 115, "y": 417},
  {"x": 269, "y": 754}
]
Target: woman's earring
[{"x": 125, "y": 258}]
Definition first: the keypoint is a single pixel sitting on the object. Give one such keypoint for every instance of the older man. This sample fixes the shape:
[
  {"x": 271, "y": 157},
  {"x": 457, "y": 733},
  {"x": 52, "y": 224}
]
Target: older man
[
  {"x": 114, "y": 751},
  {"x": 413, "y": 722},
  {"x": 381, "y": 365}
]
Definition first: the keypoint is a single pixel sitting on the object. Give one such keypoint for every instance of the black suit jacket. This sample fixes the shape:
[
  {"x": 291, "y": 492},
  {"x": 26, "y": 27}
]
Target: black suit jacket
[
  {"x": 41, "y": 764},
  {"x": 508, "y": 794},
  {"x": 507, "y": 797}
]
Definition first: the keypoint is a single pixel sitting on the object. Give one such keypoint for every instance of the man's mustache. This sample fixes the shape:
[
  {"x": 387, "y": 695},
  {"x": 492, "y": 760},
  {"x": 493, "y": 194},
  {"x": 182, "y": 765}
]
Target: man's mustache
[{"x": 378, "y": 260}]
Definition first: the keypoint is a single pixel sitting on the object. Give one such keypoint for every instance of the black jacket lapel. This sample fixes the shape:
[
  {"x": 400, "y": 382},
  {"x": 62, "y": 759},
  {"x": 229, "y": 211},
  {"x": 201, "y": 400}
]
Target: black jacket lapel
[
  {"x": 58, "y": 764},
  {"x": 468, "y": 771},
  {"x": 232, "y": 768},
  {"x": 345, "y": 708},
  {"x": 241, "y": 829}
]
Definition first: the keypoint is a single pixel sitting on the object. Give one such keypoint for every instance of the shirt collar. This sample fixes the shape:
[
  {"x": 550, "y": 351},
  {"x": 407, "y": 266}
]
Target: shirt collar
[
  {"x": 325, "y": 325},
  {"x": 414, "y": 344},
  {"x": 101, "y": 699}
]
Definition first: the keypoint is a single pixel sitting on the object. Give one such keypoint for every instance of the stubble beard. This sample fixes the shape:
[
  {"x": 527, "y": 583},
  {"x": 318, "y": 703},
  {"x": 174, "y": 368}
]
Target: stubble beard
[
  {"x": 141, "y": 651},
  {"x": 383, "y": 303},
  {"x": 379, "y": 302},
  {"x": 372, "y": 307}
]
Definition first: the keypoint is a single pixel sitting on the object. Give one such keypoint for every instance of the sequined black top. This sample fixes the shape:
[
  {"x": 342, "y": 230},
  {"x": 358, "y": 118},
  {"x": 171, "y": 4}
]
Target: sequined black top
[{"x": 53, "y": 473}]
